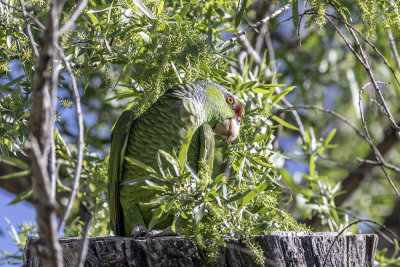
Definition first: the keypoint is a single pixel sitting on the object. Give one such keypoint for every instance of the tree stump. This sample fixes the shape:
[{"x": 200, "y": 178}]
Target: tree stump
[{"x": 280, "y": 249}]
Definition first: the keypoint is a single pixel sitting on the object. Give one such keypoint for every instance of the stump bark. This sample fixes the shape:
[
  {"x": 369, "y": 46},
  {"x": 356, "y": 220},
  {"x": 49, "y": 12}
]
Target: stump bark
[{"x": 280, "y": 249}]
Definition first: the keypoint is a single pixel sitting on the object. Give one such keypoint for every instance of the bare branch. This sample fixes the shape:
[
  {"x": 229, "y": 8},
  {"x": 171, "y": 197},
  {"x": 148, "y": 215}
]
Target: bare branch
[
  {"x": 328, "y": 111},
  {"x": 80, "y": 65},
  {"x": 375, "y": 48},
  {"x": 264, "y": 20},
  {"x": 29, "y": 31},
  {"x": 378, "y": 155},
  {"x": 85, "y": 242},
  {"x": 377, "y": 163},
  {"x": 347, "y": 227},
  {"x": 393, "y": 47},
  {"x": 50, "y": 254},
  {"x": 81, "y": 6},
  {"x": 369, "y": 71},
  {"x": 81, "y": 143},
  {"x": 39, "y": 137},
  {"x": 35, "y": 20}
]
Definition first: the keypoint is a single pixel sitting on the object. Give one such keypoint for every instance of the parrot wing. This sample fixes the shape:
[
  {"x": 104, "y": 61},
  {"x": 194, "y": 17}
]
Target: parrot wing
[{"x": 120, "y": 136}]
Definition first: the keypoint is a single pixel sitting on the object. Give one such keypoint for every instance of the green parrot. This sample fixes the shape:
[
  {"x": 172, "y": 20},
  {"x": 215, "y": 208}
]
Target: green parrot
[{"x": 201, "y": 108}]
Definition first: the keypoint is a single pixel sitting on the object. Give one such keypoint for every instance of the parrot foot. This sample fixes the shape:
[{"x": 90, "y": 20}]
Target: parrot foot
[
  {"x": 164, "y": 232},
  {"x": 139, "y": 231}
]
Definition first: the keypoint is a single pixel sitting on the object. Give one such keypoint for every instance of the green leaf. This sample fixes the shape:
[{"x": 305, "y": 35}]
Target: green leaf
[
  {"x": 330, "y": 136},
  {"x": 240, "y": 11},
  {"x": 136, "y": 181},
  {"x": 140, "y": 164},
  {"x": 262, "y": 163},
  {"x": 22, "y": 196},
  {"x": 184, "y": 149},
  {"x": 184, "y": 10},
  {"x": 156, "y": 217},
  {"x": 178, "y": 19},
  {"x": 262, "y": 91},
  {"x": 279, "y": 96},
  {"x": 284, "y": 123},
  {"x": 199, "y": 212},
  {"x": 15, "y": 162},
  {"x": 15, "y": 174},
  {"x": 158, "y": 200},
  {"x": 93, "y": 18},
  {"x": 260, "y": 228},
  {"x": 247, "y": 85},
  {"x": 312, "y": 166},
  {"x": 253, "y": 193},
  {"x": 295, "y": 13},
  {"x": 144, "y": 9},
  {"x": 4, "y": 150}
]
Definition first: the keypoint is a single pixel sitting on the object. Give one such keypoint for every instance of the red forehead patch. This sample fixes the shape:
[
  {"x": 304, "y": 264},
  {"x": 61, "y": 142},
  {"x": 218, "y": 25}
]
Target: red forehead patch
[{"x": 238, "y": 110}]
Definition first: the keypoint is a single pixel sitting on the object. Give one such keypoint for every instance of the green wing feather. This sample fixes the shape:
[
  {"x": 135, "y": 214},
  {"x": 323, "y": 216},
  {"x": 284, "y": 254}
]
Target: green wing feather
[{"x": 119, "y": 142}]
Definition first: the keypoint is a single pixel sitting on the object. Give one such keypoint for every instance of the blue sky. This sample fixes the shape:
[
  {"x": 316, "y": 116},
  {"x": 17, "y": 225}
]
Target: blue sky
[{"x": 17, "y": 214}]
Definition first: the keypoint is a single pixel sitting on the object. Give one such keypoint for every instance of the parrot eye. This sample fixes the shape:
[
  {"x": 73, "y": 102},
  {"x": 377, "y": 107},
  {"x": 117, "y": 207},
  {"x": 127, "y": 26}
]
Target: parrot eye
[{"x": 229, "y": 100}]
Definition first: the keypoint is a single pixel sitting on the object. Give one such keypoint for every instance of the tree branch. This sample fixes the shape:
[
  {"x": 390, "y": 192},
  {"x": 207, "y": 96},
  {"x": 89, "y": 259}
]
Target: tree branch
[
  {"x": 81, "y": 143},
  {"x": 29, "y": 32},
  {"x": 39, "y": 139},
  {"x": 264, "y": 20},
  {"x": 81, "y": 6}
]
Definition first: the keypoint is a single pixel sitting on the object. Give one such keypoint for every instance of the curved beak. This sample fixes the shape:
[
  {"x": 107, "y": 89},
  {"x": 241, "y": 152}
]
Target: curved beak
[{"x": 229, "y": 128}]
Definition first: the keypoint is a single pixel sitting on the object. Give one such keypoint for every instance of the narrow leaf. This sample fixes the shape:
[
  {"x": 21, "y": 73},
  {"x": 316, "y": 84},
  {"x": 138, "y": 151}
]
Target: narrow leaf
[
  {"x": 15, "y": 162},
  {"x": 240, "y": 11},
  {"x": 156, "y": 217},
  {"x": 144, "y": 9},
  {"x": 279, "y": 96},
  {"x": 184, "y": 10},
  {"x": 312, "y": 166},
  {"x": 329, "y": 138},
  {"x": 184, "y": 149},
  {"x": 15, "y": 174},
  {"x": 22, "y": 196},
  {"x": 284, "y": 123},
  {"x": 295, "y": 13},
  {"x": 199, "y": 212},
  {"x": 140, "y": 164}
]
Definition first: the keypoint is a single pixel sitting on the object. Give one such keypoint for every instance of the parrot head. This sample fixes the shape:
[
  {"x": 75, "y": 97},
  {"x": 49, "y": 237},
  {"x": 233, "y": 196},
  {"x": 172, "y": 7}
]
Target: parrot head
[{"x": 229, "y": 110}]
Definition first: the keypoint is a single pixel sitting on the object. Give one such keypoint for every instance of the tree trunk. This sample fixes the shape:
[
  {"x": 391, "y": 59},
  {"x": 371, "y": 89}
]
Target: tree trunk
[{"x": 280, "y": 249}]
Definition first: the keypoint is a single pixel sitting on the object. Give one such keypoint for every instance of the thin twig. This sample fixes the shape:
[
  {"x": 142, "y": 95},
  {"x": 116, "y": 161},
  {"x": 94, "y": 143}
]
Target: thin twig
[
  {"x": 377, "y": 163},
  {"x": 85, "y": 243},
  {"x": 81, "y": 143},
  {"x": 264, "y": 20},
  {"x": 328, "y": 111},
  {"x": 370, "y": 73},
  {"x": 393, "y": 47},
  {"x": 29, "y": 31},
  {"x": 242, "y": 40},
  {"x": 80, "y": 65},
  {"x": 81, "y": 6},
  {"x": 346, "y": 121},
  {"x": 378, "y": 155},
  {"x": 53, "y": 107},
  {"x": 35, "y": 20},
  {"x": 374, "y": 48},
  {"x": 347, "y": 43},
  {"x": 341, "y": 232}
]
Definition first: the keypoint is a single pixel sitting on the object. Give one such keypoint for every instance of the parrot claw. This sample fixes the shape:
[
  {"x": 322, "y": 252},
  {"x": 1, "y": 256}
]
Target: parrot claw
[{"x": 139, "y": 231}]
